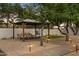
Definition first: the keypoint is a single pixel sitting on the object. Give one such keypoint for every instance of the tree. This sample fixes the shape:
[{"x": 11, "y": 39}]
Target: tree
[
  {"x": 64, "y": 13},
  {"x": 10, "y": 11},
  {"x": 6, "y": 11},
  {"x": 41, "y": 15}
]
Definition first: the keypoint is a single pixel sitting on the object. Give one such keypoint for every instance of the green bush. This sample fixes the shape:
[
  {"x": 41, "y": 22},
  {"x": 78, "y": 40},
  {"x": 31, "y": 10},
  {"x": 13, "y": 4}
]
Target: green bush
[{"x": 53, "y": 36}]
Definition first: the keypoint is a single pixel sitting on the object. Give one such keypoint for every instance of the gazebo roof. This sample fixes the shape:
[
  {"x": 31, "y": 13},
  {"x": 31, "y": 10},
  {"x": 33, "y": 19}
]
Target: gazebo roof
[{"x": 29, "y": 21}]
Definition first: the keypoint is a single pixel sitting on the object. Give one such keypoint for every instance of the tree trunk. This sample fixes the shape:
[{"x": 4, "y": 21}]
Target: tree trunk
[
  {"x": 67, "y": 31},
  {"x": 35, "y": 31},
  {"x": 74, "y": 29},
  {"x": 67, "y": 34},
  {"x": 7, "y": 23},
  {"x": 13, "y": 30},
  {"x": 67, "y": 37},
  {"x": 77, "y": 29},
  {"x": 61, "y": 31},
  {"x": 7, "y": 20},
  {"x": 41, "y": 40},
  {"x": 23, "y": 30}
]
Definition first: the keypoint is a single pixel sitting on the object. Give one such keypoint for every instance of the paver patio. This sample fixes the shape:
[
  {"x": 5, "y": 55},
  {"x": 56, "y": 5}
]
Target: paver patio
[{"x": 19, "y": 48}]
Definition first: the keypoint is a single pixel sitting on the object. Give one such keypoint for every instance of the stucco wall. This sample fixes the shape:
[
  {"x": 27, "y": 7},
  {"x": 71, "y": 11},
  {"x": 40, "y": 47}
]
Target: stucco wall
[{"x": 8, "y": 32}]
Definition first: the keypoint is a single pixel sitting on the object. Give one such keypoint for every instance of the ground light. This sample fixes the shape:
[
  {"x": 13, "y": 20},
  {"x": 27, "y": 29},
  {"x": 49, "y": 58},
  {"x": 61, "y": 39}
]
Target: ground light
[
  {"x": 75, "y": 47},
  {"x": 30, "y": 47},
  {"x": 70, "y": 40},
  {"x": 48, "y": 40}
]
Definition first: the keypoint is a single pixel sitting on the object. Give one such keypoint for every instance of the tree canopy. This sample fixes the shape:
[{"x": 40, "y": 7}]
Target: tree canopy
[{"x": 55, "y": 13}]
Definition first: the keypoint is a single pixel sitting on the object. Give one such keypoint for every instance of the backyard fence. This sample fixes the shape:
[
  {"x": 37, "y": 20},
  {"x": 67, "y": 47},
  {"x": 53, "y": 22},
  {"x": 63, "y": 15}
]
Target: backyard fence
[{"x": 8, "y": 32}]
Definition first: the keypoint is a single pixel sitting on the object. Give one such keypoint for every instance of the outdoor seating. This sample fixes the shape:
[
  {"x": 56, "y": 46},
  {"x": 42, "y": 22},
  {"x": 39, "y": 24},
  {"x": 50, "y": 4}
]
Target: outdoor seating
[{"x": 27, "y": 36}]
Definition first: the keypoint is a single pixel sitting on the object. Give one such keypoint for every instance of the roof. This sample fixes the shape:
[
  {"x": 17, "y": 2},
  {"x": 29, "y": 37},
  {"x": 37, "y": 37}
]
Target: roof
[{"x": 29, "y": 21}]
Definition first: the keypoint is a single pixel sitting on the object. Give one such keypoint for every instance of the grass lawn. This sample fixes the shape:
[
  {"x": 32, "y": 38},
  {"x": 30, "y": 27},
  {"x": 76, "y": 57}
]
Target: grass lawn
[{"x": 54, "y": 37}]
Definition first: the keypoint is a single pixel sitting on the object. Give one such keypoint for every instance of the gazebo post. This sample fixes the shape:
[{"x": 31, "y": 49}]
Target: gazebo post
[
  {"x": 35, "y": 30},
  {"x": 23, "y": 29},
  {"x": 13, "y": 30},
  {"x": 48, "y": 29}
]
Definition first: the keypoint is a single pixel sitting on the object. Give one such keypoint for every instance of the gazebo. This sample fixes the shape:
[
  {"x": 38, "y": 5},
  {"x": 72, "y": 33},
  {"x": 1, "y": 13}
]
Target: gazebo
[{"x": 34, "y": 23}]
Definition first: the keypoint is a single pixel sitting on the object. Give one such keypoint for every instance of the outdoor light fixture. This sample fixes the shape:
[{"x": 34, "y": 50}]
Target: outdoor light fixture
[
  {"x": 48, "y": 40},
  {"x": 70, "y": 40},
  {"x": 75, "y": 46},
  {"x": 30, "y": 47}
]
